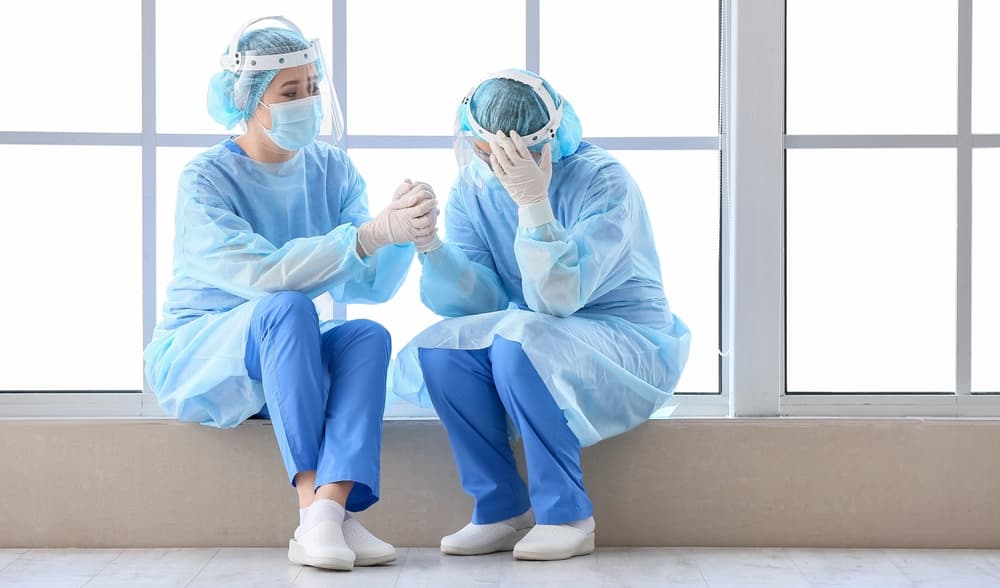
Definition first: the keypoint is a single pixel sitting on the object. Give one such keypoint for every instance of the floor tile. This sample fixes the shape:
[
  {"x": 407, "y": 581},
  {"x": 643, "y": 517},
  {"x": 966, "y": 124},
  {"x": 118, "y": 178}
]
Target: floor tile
[
  {"x": 761, "y": 568},
  {"x": 247, "y": 568},
  {"x": 153, "y": 567},
  {"x": 9, "y": 555},
  {"x": 946, "y": 568},
  {"x": 648, "y": 567},
  {"x": 580, "y": 571},
  {"x": 383, "y": 576},
  {"x": 428, "y": 567},
  {"x": 848, "y": 567},
  {"x": 56, "y": 568}
]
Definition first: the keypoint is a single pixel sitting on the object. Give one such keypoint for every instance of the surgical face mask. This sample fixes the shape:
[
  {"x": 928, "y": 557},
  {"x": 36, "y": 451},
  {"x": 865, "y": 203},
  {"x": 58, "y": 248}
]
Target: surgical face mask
[{"x": 295, "y": 124}]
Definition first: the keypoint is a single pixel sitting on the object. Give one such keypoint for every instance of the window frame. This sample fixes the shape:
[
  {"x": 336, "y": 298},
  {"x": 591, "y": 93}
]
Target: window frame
[
  {"x": 962, "y": 402},
  {"x": 752, "y": 144},
  {"x": 143, "y": 403}
]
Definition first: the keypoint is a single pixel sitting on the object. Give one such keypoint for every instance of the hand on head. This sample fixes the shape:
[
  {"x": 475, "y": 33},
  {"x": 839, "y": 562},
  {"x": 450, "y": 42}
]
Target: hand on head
[{"x": 527, "y": 182}]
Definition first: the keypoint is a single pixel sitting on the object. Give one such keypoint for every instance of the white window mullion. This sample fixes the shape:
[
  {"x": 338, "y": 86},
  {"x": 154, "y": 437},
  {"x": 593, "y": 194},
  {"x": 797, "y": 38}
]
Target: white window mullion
[
  {"x": 963, "y": 306},
  {"x": 726, "y": 208},
  {"x": 756, "y": 182},
  {"x": 149, "y": 405},
  {"x": 339, "y": 67},
  {"x": 532, "y": 35}
]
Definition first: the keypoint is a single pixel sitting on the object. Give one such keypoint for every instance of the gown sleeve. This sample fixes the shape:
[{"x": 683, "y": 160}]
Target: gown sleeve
[
  {"x": 564, "y": 268},
  {"x": 221, "y": 249},
  {"x": 385, "y": 271},
  {"x": 459, "y": 278}
]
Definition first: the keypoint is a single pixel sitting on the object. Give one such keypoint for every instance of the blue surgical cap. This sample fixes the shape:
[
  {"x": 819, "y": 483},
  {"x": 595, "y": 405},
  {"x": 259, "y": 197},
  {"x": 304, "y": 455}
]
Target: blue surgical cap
[
  {"x": 501, "y": 104},
  {"x": 233, "y": 97}
]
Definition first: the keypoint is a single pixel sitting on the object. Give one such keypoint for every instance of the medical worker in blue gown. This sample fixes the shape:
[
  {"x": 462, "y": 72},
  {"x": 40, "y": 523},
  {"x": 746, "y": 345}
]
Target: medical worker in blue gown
[
  {"x": 266, "y": 222},
  {"x": 561, "y": 326}
]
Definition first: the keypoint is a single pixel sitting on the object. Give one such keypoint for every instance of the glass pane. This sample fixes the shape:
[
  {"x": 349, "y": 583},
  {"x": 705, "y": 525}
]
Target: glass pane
[
  {"x": 169, "y": 163},
  {"x": 601, "y": 57},
  {"x": 188, "y": 51},
  {"x": 862, "y": 67},
  {"x": 985, "y": 66},
  {"x": 407, "y": 74},
  {"x": 74, "y": 269},
  {"x": 384, "y": 169},
  {"x": 870, "y": 277},
  {"x": 70, "y": 69},
  {"x": 985, "y": 274},
  {"x": 681, "y": 189}
]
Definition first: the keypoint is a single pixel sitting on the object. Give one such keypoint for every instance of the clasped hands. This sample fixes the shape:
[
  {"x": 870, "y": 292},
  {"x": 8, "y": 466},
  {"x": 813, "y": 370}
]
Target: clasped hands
[
  {"x": 413, "y": 213},
  {"x": 411, "y": 216}
]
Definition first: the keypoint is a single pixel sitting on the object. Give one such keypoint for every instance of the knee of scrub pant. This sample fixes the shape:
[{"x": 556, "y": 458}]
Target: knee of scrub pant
[
  {"x": 290, "y": 301},
  {"x": 514, "y": 372},
  {"x": 434, "y": 364},
  {"x": 511, "y": 365},
  {"x": 358, "y": 333},
  {"x": 355, "y": 343},
  {"x": 440, "y": 365},
  {"x": 268, "y": 309}
]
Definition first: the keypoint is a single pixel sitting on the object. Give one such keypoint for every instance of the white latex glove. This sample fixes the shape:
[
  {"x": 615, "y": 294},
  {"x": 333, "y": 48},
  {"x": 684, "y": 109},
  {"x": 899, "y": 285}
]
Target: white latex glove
[
  {"x": 430, "y": 242},
  {"x": 527, "y": 182},
  {"x": 405, "y": 219}
]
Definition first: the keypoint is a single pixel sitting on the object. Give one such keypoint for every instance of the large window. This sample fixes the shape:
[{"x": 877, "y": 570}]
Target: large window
[
  {"x": 828, "y": 233},
  {"x": 890, "y": 204},
  {"x": 101, "y": 246},
  {"x": 986, "y": 271},
  {"x": 70, "y": 225},
  {"x": 73, "y": 267},
  {"x": 662, "y": 125}
]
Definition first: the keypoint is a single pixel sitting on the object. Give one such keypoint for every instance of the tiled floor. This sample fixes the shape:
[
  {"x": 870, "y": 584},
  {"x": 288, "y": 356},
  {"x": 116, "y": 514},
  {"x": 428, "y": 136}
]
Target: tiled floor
[{"x": 609, "y": 568}]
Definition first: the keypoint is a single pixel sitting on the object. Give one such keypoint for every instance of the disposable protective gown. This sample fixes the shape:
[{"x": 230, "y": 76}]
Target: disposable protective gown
[
  {"x": 583, "y": 295},
  {"x": 243, "y": 230}
]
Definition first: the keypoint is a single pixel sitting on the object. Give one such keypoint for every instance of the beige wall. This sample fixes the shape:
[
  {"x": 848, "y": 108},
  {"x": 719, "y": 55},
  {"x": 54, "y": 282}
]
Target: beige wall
[{"x": 704, "y": 482}]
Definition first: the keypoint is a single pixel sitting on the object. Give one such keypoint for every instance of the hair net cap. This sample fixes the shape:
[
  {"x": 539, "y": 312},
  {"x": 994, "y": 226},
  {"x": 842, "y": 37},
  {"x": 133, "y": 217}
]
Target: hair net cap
[
  {"x": 234, "y": 96},
  {"x": 502, "y": 104}
]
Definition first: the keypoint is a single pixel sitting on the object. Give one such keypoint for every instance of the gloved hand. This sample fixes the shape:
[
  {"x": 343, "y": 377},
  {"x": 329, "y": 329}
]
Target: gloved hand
[
  {"x": 527, "y": 182},
  {"x": 405, "y": 219},
  {"x": 430, "y": 242}
]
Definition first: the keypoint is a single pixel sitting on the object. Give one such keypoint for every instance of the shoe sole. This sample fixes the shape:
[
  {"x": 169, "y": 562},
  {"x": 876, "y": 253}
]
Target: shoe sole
[
  {"x": 505, "y": 544},
  {"x": 375, "y": 560},
  {"x": 298, "y": 555},
  {"x": 586, "y": 548}
]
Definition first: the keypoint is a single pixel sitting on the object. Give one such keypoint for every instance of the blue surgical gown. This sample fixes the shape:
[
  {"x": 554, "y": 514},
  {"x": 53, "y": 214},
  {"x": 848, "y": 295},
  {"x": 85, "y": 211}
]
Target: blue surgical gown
[
  {"x": 583, "y": 295},
  {"x": 243, "y": 230}
]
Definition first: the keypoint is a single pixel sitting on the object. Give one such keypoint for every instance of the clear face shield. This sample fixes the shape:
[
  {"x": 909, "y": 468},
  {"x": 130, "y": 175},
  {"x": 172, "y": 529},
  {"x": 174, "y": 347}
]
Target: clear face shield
[
  {"x": 471, "y": 144},
  {"x": 307, "y": 86}
]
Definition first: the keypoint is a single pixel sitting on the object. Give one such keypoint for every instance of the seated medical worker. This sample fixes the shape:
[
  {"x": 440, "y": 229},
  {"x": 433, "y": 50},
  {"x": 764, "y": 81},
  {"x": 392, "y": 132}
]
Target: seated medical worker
[
  {"x": 266, "y": 222},
  {"x": 561, "y": 324}
]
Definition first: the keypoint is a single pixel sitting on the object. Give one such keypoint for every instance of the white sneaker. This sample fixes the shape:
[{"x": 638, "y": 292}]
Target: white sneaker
[
  {"x": 552, "y": 542},
  {"x": 475, "y": 539},
  {"x": 323, "y": 546},
  {"x": 368, "y": 549}
]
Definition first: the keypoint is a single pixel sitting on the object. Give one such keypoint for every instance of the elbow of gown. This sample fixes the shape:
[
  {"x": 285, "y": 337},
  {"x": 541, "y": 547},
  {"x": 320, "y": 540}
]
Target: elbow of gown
[
  {"x": 379, "y": 278},
  {"x": 451, "y": 285},
  {"x": 550, "y": 274}
]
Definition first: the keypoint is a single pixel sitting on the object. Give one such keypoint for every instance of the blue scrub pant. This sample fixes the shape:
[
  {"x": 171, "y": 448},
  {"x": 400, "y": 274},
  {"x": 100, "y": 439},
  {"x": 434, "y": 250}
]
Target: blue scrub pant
[
  {"x": 324, "y": 393},
  {"x": 474, "y": 391}
]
